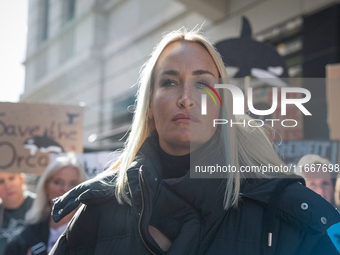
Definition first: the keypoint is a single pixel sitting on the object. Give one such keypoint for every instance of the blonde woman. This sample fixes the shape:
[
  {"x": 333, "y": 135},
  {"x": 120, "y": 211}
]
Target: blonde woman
[
  {"x": 319, "y": 180},
  {"x": 39, "y": 236},
  {"x": 148, "y": 204}
]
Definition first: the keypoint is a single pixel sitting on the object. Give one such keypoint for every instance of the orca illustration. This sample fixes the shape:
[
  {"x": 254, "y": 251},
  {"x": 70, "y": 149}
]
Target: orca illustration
[
  {"x": 71, "y": 117},
  {"x": 43, "y": 144},
  {"x": 253, "y": 58}
]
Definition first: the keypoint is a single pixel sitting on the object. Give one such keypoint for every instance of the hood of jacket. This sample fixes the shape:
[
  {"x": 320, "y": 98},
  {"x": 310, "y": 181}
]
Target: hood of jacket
[{"x": 287, "y": 198}]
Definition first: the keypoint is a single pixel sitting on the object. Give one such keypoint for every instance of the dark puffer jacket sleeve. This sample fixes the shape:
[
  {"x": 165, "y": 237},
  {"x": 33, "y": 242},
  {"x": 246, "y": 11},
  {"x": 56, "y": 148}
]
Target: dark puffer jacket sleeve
[
  {"x": 82, "y": 231},
  {"x": 325, "y": 246},
  {"x": 60, "y": 247}
]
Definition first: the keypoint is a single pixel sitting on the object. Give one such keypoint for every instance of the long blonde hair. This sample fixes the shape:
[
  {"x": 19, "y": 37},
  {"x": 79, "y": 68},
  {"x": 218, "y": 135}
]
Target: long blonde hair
[
  {"x": 41, "y": 207},
  {"x": 250, "y": 145}
]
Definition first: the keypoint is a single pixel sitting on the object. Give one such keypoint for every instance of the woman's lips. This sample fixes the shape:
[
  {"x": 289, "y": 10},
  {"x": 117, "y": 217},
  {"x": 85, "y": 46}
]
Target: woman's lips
[{"x": 185, "y": 118}]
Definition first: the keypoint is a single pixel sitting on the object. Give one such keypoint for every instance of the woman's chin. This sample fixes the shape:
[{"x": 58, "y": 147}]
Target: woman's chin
[
  {"x": 190, "y": 137},
  {"x": 185, "y": 139},
  {"x": 182, "y": 138}
]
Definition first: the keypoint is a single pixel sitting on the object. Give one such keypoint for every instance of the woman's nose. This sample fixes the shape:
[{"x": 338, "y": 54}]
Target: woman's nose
[{"x": 185, "y": 99}]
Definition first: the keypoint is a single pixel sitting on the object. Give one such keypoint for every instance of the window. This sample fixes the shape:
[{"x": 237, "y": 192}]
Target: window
[
  {"x": 43, "y": 19},
  {"x": 68, "y": 10}
]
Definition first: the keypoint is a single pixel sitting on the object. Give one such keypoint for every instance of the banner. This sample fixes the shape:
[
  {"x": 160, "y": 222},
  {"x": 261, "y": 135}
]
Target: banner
[
  {"x": 292, "y": 151},
  {"x": 29, "y": 132},
  {"x": 333, "y": 102}
]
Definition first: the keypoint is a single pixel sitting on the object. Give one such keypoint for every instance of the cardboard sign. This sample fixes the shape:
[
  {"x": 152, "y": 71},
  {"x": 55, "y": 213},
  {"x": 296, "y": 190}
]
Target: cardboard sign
[
  {"x": 30, "y": 132},
  {"x": 333, "y": 102}
]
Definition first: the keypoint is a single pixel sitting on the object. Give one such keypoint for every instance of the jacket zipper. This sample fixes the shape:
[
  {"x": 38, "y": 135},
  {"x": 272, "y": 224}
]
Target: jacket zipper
[{"x": 141, "y": 213}]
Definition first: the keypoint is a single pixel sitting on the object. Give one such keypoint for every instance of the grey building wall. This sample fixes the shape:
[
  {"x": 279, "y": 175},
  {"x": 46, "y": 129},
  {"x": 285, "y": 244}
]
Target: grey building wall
[{"x": 94, "y": 57}]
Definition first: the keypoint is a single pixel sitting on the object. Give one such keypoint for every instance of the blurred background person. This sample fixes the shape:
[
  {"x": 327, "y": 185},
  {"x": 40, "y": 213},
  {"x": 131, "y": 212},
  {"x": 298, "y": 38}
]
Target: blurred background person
[
  {"x": 334, "y": 231},
  {"x": 15, "y": 201},
  {"x": 337, "y": 192},
  {"x": 42, "y": 232},
  {"x": 318, "y": 179}
]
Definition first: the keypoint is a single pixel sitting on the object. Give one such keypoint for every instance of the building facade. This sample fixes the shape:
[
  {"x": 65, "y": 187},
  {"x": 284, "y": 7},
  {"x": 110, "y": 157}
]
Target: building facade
[{"x": 90, "y": 52}]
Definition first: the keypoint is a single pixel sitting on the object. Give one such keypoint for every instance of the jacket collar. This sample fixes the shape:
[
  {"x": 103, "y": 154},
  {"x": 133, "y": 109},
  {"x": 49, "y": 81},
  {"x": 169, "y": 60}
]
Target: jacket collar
[
  {"x": 197, "y": 192},
  {"x": 205, "y": 195},
  {"x": 295, "y": 203}
]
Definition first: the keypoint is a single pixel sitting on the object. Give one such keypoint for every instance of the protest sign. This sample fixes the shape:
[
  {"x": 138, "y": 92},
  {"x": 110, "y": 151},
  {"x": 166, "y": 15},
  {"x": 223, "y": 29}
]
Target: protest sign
[
  {"x": 29, "y": 132},
  {"x": 292, "y": 151},
  {"x": 333, "y": 102}
]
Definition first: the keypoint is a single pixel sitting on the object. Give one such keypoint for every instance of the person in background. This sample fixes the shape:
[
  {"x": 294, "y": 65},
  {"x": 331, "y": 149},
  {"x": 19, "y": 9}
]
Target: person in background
[
  {"x": 41, "y": 232},
  {"x": 334, "y": 231},
  {"x": 321, "y": 181},
  {"x": 15, "y": 201},
  {"x": 317, "y": 177},
  {"x": 337, "y": 191}
]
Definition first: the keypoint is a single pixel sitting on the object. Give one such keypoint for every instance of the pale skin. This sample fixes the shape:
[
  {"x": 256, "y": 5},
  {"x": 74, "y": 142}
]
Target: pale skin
[
  {"x": 62, "y": 181},
  {"x": 176, "y": 104},
  {"x": 11, "y": 191},
  {"x": 321, "y": 183}
]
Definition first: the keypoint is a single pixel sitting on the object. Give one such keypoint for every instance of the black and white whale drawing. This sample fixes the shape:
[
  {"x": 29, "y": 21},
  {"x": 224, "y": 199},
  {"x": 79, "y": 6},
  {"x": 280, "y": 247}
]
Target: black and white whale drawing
[
  {"x": 43, "y": 144},
  {"x": 253, "y": 58},
  {"x": 71, "y": 117}
]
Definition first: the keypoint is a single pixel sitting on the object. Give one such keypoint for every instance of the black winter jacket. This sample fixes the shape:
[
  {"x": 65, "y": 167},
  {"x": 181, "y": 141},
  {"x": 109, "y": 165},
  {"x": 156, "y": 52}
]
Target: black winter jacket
[
  {"x": 34, "y": 237},
  {"x": 190, "y": 213}
]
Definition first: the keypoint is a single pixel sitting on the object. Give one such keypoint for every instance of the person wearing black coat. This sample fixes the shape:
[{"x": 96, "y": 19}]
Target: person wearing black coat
[
  {"x": 34, "y": 238},
  {"x": 40, "y": 234},
  {"x": 190, "y": 212},
  {"x": 148, "y": 202}
]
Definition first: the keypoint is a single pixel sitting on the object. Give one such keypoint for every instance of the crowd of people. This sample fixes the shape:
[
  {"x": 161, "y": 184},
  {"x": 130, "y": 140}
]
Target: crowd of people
[
  {"x": 146, "y": 202},
  {"x": 25, "y": 220}
]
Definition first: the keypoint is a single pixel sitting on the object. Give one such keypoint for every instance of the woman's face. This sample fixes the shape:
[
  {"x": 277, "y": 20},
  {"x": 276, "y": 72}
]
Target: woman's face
[
  {"x": 176, "y": 98},
  {"x": 62, "y": 181}
]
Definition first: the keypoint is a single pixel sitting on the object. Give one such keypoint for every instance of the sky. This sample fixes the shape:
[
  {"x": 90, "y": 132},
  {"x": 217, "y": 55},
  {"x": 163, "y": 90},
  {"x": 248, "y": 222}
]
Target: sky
[{"x": 13, "y": 27}]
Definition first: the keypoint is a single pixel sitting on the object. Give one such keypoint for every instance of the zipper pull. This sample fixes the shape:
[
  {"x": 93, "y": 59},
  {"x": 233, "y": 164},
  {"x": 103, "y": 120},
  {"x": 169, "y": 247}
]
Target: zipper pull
[{"x": 270, "y": 238}]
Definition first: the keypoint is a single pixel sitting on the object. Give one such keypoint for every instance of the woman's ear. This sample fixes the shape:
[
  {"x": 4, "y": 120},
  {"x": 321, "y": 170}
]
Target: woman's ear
[{"x": 149, "y": 113}]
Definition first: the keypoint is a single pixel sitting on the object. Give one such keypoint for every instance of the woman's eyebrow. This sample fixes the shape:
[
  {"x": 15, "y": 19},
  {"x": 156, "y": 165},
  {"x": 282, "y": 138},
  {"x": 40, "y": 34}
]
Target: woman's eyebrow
[
  {"x": 170, "y": 72},
  {"x": 196, "y": 72},
  {"x": 199, "y": 72}
]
